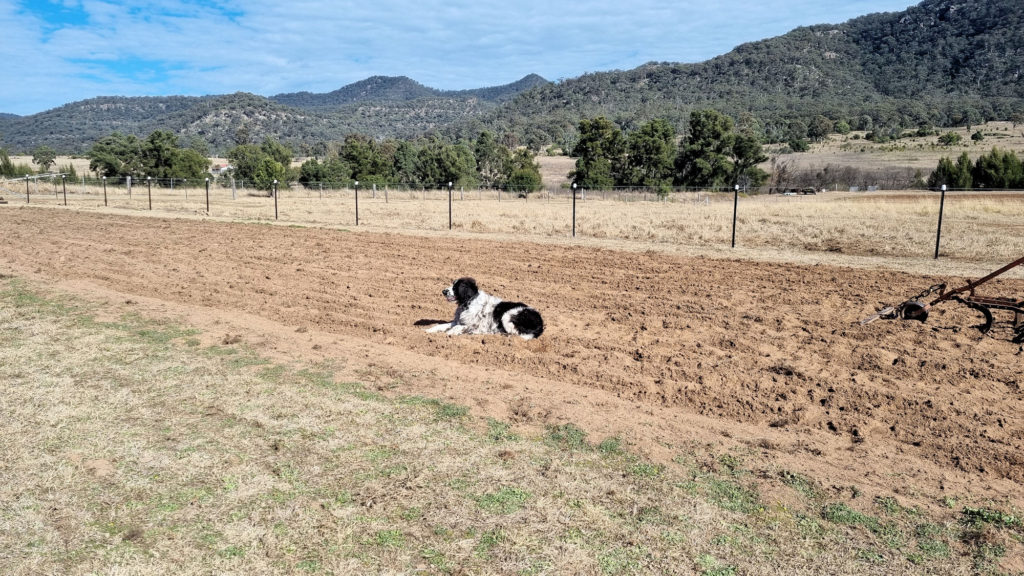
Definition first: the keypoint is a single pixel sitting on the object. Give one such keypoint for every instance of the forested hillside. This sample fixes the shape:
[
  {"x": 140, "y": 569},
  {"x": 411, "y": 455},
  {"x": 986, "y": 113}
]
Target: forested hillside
[
  {"x": 379, "y": 107},
  {"x": 940, "y": 63},
  {"x": 400, "y": 89}
]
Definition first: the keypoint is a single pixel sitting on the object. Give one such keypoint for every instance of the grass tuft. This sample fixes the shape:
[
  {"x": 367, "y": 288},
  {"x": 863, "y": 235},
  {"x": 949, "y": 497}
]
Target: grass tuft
[
  {"x": 568, "y": 436},
  {"x": 505, "y": 501}
]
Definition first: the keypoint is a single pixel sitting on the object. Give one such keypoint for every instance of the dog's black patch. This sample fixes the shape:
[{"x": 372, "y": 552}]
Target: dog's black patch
[
  {"x": 528, "y": 321},
  {"x": 500, "y": 309},
  {"x": 525, "y": 320},
  {"x": 465, "y": 290}
]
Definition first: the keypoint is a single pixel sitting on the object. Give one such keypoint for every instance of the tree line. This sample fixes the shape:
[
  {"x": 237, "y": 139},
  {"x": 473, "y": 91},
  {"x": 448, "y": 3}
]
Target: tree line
[
  {"x": 426, "y": 163},
  {"x": 421, "y": 163},
  {"x": 712, "y": 154},
  {"x": 998, "y": 169}
]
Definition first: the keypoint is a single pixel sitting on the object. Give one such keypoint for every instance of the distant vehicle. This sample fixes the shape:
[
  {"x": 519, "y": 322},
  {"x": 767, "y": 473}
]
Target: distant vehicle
[
  {"x": 808, "y": 191},
  {"x": 789, "y": 193}
]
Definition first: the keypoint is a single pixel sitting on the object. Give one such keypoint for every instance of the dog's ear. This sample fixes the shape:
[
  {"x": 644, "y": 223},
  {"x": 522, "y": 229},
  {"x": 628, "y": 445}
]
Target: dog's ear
[{"x": 465, "y": 290}]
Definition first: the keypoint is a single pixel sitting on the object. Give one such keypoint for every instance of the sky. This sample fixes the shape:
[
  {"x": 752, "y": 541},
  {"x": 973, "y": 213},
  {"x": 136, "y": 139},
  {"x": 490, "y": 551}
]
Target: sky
[{"x": 53, "y": 52}]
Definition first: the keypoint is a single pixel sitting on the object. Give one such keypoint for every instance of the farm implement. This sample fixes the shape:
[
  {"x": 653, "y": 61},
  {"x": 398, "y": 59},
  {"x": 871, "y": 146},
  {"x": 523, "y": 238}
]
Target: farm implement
[{"x": 917, "y": 307}]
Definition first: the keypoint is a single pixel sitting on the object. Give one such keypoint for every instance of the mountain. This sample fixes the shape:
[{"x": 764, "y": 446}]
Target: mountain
[
  {"x": 69, "y": 127},
  {"x": 384, "y": 107},
  {"x": 939, "y": 63},
  {"x": 373, "y": 89},
  {"x": 401, "y": 89}
]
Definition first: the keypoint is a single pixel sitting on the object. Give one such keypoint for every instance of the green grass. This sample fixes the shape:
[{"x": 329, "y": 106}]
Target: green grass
[
  {"x": 610, "y": 446},
  {"x": 568, "y": 436},
  {"x": 840, "y": 513},
  {"x": 505, "y": 501},
  {"x": 802, "y": 484},
  {"x": 498, "y": 431},
  {"x": 982, "y": 516}
]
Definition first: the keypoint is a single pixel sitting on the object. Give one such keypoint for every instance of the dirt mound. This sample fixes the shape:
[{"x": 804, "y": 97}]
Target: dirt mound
[{"x": 774, "y": 350}]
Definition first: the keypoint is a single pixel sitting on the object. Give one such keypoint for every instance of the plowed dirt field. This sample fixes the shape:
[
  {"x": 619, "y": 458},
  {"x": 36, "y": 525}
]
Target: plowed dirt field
[{"x": 664, "y": 350}]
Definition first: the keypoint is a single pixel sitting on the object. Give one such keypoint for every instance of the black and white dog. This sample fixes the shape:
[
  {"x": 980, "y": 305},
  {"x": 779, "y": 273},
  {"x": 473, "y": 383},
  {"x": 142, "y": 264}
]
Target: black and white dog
[{"x": 481, "y": 313}]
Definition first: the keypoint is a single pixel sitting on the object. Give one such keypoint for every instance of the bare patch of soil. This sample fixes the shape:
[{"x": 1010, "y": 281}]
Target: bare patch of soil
[{"x": 665, "y": 350}]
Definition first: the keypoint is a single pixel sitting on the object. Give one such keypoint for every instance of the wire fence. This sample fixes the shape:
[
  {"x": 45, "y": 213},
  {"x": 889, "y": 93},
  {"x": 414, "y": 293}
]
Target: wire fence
[{"x": 970, "y": 224}]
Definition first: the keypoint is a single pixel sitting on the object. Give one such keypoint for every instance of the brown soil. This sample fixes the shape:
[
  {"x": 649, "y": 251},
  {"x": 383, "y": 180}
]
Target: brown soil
[{"x": 666, "y": 351}]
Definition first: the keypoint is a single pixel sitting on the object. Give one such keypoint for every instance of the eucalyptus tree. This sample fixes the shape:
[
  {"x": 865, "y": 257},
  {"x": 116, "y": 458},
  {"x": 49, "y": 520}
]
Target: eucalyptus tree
[
  {"x": 600, "y": 152},
  {"x": 651, "y": 152}
]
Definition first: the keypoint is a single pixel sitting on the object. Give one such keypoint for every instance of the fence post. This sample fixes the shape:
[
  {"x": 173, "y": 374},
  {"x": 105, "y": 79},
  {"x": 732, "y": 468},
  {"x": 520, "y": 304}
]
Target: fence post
[
  {"x": 938, "y": 234},
  {"x": 104, "y": 190},
  {"x": 735, "y": 203},
  {"x": 449, "y": 205},
  {"x": 64, "y": 184},
  {"x": 28, "y": 192},
  {"x": 275, "y": 199},
  {"x": 149, "y": 192},
  {"x": 207, "y": 196},
  {"x": 357, "y": 201},
  {"x": 573, "y": 209}
]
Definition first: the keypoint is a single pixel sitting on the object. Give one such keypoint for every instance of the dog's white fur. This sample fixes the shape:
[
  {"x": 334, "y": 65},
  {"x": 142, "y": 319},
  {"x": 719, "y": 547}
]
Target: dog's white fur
[{"x": 481, "y": 313}]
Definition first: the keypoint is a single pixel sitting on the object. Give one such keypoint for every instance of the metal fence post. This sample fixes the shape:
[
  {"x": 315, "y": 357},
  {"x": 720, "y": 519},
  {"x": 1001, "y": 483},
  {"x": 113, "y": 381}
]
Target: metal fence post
[
  {"x": 64, "y": 184},
  {"x": 149, "y": 192},
  {"x": 573, "y": 209},
  {"x": 207, "y": 196},
  {"x": 275, "y": 199},
  {"x": 104, "y": 190},
  {"x": 357, "y": 201},
  {"x": 735, "y": 203},
  {"x": 449, "y": 205},
  {"x": 938, "y": 234}
]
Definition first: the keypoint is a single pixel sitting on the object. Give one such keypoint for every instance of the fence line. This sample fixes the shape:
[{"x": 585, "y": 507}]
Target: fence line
[{"x": 238, "y": 201}]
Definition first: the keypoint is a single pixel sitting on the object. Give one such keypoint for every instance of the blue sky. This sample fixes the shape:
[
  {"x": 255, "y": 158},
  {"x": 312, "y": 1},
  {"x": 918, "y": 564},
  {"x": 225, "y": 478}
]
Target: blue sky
[{"x": 60, "y": 51}]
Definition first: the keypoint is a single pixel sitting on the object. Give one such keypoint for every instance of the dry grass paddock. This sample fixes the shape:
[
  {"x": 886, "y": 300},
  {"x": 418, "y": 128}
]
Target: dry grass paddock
[
  {"x": 917, "y": 153},
  {"x": 983, "y": 228}
]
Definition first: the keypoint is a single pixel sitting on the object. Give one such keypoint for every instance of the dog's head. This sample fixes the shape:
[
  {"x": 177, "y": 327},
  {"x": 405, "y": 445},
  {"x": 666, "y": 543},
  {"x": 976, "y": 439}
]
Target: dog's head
[{"x": 461, "y": 291}]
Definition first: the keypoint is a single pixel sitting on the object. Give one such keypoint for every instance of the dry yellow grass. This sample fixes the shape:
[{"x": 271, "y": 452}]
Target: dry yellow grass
[{"x": 921, "y": 153}]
